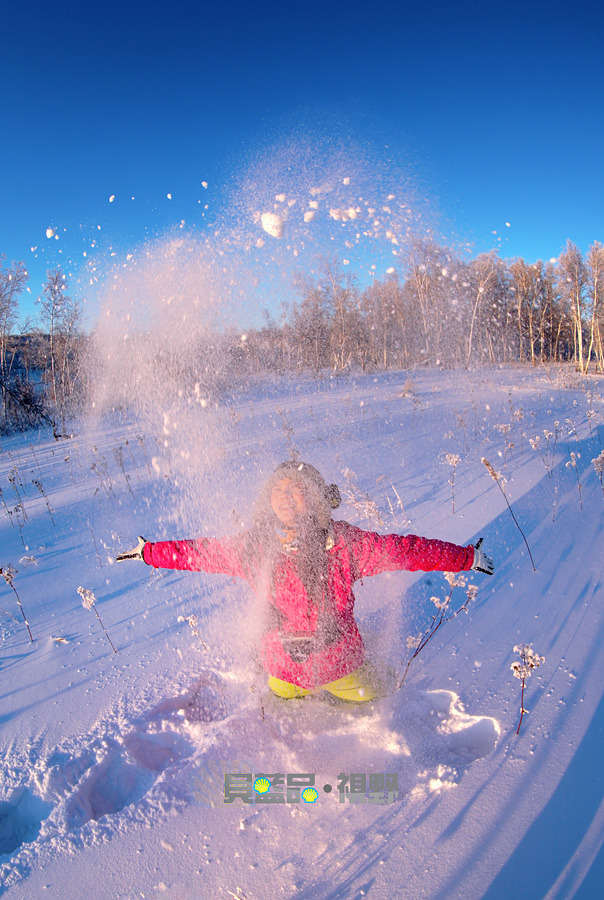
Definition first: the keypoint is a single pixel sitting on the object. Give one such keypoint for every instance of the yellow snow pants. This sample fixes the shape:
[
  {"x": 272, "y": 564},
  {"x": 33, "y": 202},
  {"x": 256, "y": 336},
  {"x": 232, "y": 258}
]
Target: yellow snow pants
[{"x": 358, "y": 686}]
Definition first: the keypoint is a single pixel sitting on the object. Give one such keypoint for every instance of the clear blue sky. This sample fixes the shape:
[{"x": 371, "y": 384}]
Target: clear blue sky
[{"x": 498, "y": 105}]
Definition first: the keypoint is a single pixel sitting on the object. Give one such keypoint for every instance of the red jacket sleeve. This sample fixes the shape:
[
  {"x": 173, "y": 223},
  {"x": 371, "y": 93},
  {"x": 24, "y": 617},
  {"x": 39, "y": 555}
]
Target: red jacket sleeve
[
  {"x": 374, "y": 553},
  {"x": 200, "y": 555}
]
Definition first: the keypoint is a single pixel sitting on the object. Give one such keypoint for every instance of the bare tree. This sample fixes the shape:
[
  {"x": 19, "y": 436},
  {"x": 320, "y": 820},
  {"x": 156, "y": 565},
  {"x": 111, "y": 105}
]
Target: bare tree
[
  {"x": 311, "y": 323},
  {"x": 52, "y": 303},
  {"x": 346, "y": 326},
  {"x": 484, "y": 281},
  {"x": 572, "y": 280},
  {"x": 61, "y": 316},
  {"x": 595, "y": 286},
  {"x": 385, "y": 319},
  {"x": 426, "y": 264},
  {"x": 12, "y": 282}
]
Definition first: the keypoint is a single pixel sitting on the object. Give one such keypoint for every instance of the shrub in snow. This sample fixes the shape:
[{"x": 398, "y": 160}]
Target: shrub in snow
[{"x": 522, "y": 669}]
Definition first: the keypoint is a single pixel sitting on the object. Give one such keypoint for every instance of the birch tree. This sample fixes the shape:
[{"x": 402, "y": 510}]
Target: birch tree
[
  {"x": 572, "y": 281},
  {"x": 595, "y": 288}
]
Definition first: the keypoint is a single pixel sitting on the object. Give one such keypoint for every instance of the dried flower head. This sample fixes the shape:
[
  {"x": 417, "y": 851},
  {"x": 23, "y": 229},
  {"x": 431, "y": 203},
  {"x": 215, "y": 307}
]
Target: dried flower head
[
  {"x": 496, "y": 476},
  {"x": 453, "y": 459},
  {"x": 529, "y": 660},
  {"x": 471, "y": 592},
  {"x": 193, "y": 622},
  {"x": 8, "y": 573},
  {"x": 572, "y": 461},
  {"x": 88, "y": 598},
  {"x": 438, "y": 603},
  {"x": 455, "y": 579}
]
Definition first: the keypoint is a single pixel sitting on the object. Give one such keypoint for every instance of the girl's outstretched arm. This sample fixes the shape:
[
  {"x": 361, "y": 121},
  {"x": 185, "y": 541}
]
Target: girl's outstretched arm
[
  {"x": 199, "y": 555},
  {"x": 375, "y": 553}
]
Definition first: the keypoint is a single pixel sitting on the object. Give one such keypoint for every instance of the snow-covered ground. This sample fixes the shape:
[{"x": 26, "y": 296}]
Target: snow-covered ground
[{"x": 114, "y": 763}]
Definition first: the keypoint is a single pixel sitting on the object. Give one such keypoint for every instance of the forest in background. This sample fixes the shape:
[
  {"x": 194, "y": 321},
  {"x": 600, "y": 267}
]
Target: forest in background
[{"x": 438, "y": 310}]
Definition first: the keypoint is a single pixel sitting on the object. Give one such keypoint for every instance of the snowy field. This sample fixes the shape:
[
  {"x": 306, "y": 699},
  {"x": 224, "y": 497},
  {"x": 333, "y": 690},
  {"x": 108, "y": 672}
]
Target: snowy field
[{"x": 114, "y": 763}]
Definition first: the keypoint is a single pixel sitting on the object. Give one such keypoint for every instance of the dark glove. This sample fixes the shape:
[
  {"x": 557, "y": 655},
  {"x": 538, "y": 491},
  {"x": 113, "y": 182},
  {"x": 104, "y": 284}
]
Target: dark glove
[
  {"x": 482, "y": 563},
  {"x": 135, "y": 553}
]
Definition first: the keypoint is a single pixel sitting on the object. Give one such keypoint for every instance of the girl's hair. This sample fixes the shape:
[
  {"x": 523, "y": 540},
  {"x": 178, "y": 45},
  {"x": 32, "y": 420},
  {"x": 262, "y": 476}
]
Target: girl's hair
[
  {"x": 321, "y": 497},
  {"x": 263, "y": 548}
]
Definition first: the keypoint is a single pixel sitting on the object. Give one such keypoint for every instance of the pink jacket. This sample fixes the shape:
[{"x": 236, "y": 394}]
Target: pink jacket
[{"x": 354, "y": 555}]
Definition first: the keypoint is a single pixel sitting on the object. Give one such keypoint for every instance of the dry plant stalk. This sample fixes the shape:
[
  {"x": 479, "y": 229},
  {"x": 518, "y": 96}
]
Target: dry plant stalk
[
  {"x": 453, "y": 459},
  {"x": 40, "y": 487},
  {"x": 419, "y": 641},
  {"x": 96, "y": 549},
  {"x": 119, "y": 457},
  {"x": 572, "y": 464},
  {"x": 288, "y": 434},
  {"x": 505, "y": 430},
  {"x": 362, "y": 502},
  {"x": 141, "y": 441},
  {"x": 598, "y": 464},
  {"x": 88, "y": 602},
  {"x": 6, "y": 509},
  {"x": 8, "y": 573},
  {"x": 193, "y": 623},
  {"x": 498, "y": 478},
  {"x": 13, "y": 478},
  {"x": 398, "y": 500},
  {"x": 522, "y": 669}
]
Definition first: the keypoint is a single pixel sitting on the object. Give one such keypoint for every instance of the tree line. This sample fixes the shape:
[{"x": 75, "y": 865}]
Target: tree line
[
  {"x": 444, "y": 310},
  {"x": 438, "y": 309}
]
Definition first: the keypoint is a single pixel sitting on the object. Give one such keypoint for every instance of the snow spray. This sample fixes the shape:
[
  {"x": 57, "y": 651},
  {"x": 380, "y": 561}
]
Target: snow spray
[{"x": 158, "y": 344}]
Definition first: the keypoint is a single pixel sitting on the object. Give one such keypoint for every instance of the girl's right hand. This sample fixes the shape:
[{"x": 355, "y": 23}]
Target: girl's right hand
[{"x": 135, "y": 553}]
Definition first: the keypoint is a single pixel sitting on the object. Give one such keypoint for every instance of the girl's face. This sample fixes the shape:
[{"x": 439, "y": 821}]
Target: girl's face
[{"x": 288, "y": 501}]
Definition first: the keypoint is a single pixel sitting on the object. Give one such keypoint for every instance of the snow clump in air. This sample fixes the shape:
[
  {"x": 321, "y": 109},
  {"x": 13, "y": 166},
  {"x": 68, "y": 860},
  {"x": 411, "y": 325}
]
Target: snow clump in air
[
  {"x": 273, "y": 224},
  {"x": 343, "y": 215}
]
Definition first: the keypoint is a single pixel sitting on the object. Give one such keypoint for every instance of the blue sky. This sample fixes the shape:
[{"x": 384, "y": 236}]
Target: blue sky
[{"x": 495, "y": 108}]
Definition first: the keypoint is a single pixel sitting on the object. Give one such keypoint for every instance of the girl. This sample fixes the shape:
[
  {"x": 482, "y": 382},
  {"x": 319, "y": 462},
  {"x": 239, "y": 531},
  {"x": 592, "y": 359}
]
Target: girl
[{"x": 302, "y": 565}]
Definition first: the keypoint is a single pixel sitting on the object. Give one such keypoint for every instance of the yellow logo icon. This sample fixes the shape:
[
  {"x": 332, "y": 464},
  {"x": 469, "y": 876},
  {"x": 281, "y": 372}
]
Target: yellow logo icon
[
  {"x": 262, "y": 785},
  {"x": 309, "y": 795}
]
